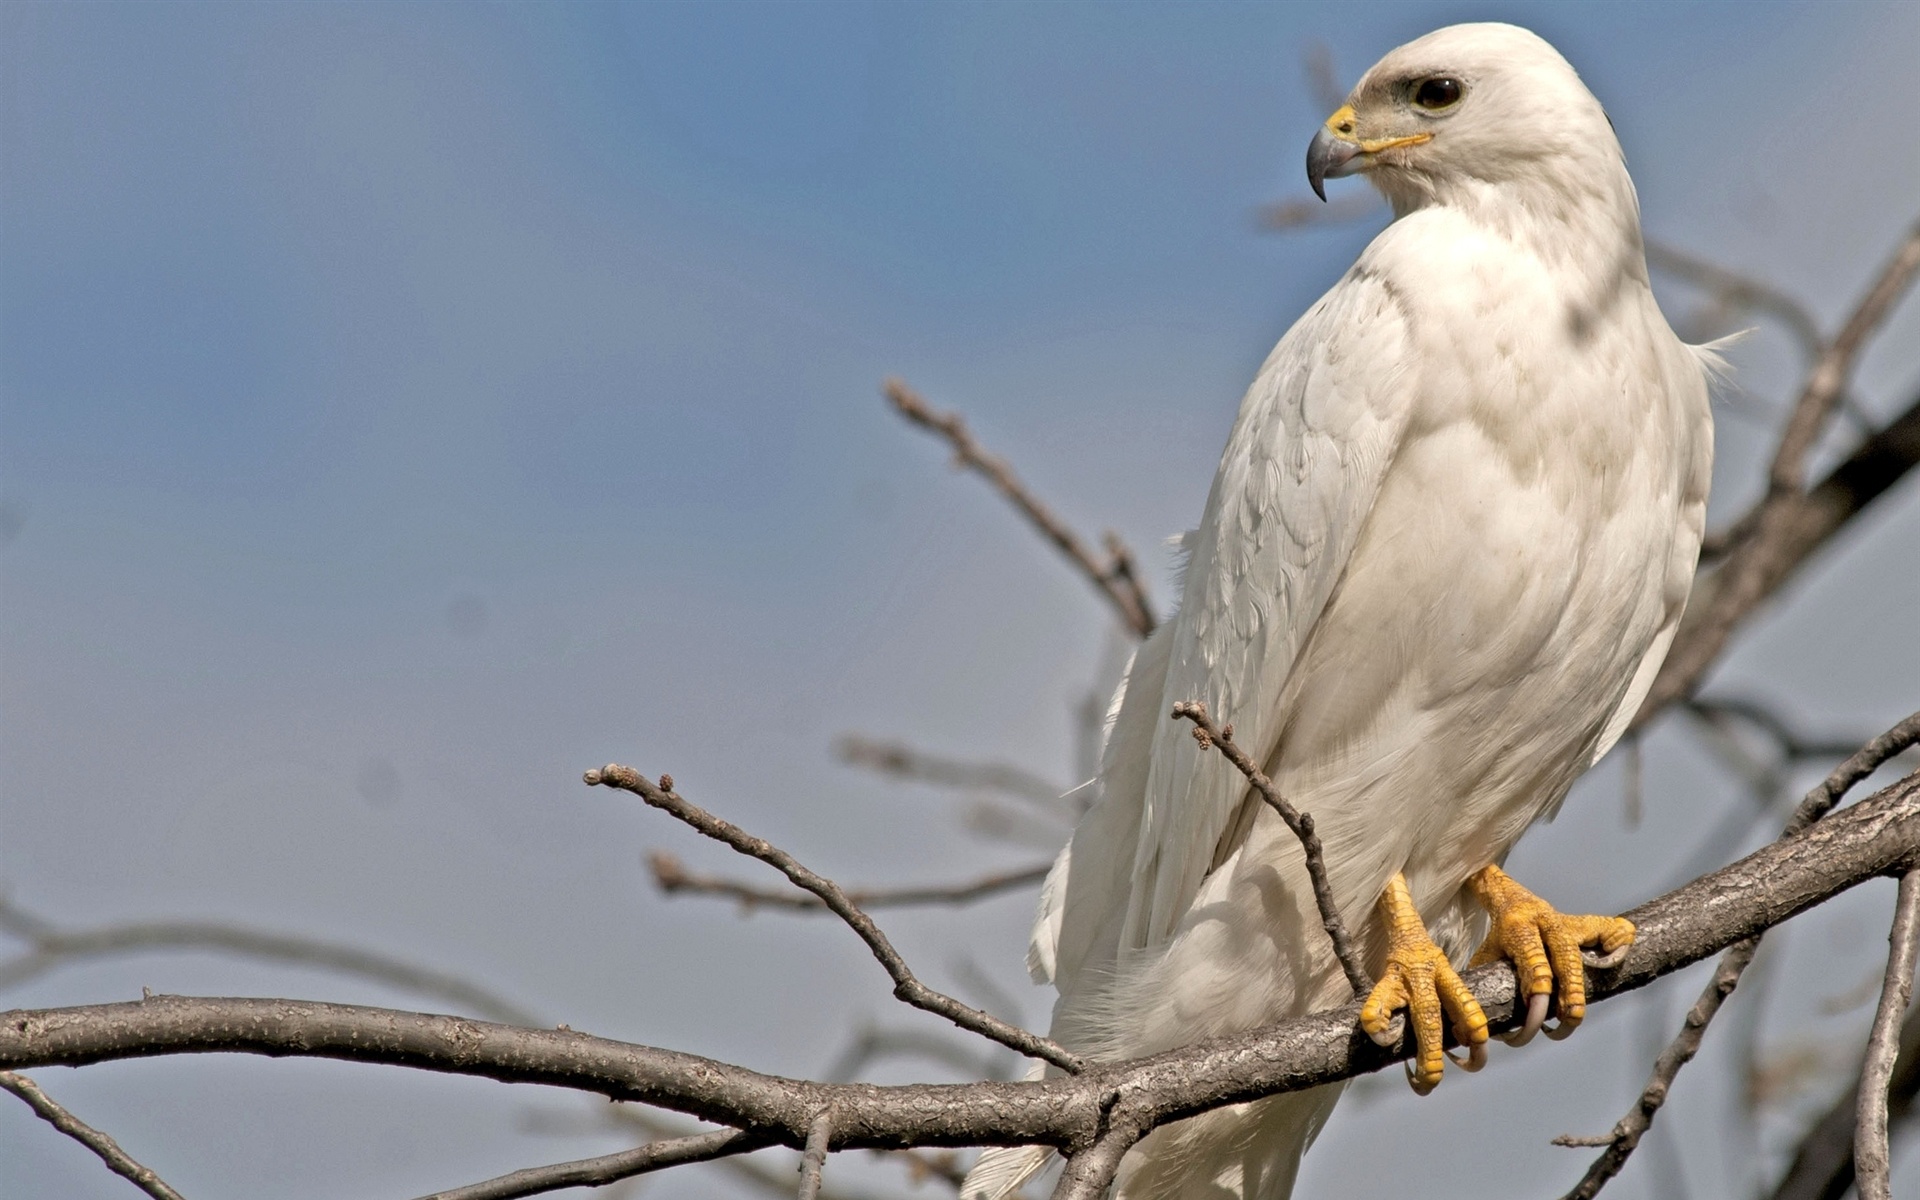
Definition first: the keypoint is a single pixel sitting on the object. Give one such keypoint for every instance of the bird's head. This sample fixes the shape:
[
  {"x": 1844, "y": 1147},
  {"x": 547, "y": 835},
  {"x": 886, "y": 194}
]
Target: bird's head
[{"x": 1466, "y": 106}]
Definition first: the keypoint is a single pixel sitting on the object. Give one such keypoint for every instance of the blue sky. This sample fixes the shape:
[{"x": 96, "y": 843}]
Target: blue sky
[{"x": 403, "y": 407}]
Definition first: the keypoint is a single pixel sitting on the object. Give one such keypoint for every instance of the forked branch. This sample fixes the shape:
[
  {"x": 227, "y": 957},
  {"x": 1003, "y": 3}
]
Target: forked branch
[
  {"x": 1788, "y": 523},
  {"x": 905, "y": 986},
  {"x": 1625, "y": 1137},
  {"x": 1874, "y": 837}
]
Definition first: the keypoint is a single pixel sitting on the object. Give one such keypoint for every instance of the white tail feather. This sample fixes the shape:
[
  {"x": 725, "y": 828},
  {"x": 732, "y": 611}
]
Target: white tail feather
[{"x": 1002, "y": 1170}]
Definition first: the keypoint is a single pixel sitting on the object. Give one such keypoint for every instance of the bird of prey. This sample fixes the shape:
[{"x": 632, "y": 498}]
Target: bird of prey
[{"x": 1445, "y": 553}]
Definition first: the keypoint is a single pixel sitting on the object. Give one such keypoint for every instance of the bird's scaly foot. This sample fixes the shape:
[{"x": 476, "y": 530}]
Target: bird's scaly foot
[
  {"x": 1419, "y": 978},
  {"x": 1544, "y": 945}
]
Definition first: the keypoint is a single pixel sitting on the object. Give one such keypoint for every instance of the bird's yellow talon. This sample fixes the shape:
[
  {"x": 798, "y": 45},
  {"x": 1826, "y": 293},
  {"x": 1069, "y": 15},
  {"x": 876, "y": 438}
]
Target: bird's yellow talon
[
  {"x": 1419, "y": 979},
  {"x": 1546, "y": 947}
]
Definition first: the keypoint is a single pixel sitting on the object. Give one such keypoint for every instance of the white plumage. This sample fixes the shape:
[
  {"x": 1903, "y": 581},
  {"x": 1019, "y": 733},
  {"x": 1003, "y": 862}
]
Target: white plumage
[{"x": 1447, "y": 547}]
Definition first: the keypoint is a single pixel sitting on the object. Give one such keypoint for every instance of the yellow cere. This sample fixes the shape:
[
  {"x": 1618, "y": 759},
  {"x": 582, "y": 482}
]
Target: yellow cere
[{"x": 1341, "y": 125}]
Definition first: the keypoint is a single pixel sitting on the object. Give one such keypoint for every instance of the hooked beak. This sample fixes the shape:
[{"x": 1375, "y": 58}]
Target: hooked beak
[
  {"x": 1338, "y": 150},
  {"x": 1328, "y": 157}
]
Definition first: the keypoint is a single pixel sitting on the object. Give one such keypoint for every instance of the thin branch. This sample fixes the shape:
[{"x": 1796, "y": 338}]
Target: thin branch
[
  {"x": 1873, "y": 837},
  {"x": 1115, "y": 578},
  {"x": 1792, "y": 744},
  {"x": 1210, "y": 735},
  {"x": 1788, "y": 524},
  {"x": 1870, "y": 1158},
  {"x": 1834, "y": 367},
  {"x": 901, "y": 761},
  {"x": 1628, "y": 1131},
  {"x": 1822, "y": 1167},
  {"x": 53, "y": 947},
  {"x": 1859, "y": 766},
  {"x": 871, "y": 1042},
  {"x": 610, "y": 1168},
  {"x": 905, "y": 986},
  {"x": 764, "y": 1176},
  {"x": 673, "y": 878},
  {"x": 813, "y": 1160},
  {"x": 1089, "y": 1172},
  {"x": 1735, "y": 290},
  {"x": 105, "y": 1148},
  {"x": 1774, "y": 538}
]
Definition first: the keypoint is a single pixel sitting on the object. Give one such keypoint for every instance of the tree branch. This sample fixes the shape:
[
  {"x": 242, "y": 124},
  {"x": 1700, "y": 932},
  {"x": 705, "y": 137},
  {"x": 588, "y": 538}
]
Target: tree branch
[
  {"x": 813, "y": 1161},
  {"x": 52, "y": 947},
  {"x": 1769, "y": 544},
  {"x": 673, "y": 878},
  {"x": 1822, "y": 1167},
  {"x": 1874, "y": 837},
  {"x": 1210, "y": 735},
  {"x": 1735, "y": 290},
  {"x": 901, "y": 761},
  {"x": 609, "y": 1168},
  {"x": 1115, "y": 578},
  {"x": 905, "y": 986},
  {"x": 105, "y": 1148},
  {"x": 1883, "y": 1045},
  {"x": 1627, "y": 1132},
  {"x": 1835, "y": 365}
]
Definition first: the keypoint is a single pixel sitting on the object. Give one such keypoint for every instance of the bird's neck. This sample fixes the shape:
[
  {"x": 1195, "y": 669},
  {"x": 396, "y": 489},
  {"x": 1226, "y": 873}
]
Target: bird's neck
[{"x": 1589, "y": 231}]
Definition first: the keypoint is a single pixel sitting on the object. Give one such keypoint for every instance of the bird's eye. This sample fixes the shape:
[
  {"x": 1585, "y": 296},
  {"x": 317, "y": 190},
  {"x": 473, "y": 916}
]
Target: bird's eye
[{"x": 1437, "y": 93}]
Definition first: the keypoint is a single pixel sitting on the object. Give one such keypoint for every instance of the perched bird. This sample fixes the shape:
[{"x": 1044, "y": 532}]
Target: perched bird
[{"x": 1446, "y": 550}]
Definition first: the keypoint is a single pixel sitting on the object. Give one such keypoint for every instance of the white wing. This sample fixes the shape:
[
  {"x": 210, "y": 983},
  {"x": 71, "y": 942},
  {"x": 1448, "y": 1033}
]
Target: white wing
[{"x": 1315, "y": 437}]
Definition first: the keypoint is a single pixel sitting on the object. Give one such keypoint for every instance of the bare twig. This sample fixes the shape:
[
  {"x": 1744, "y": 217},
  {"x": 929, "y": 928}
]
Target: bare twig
[
  {"x": 1628, "y": 1131},
  {"x": 105, "y": 1148},
  {"x": 1114, "y": 578},
  {"x": 1793, "y": 745},
  {"x": 1859, "y": 765},
  {"x": 1575, "y": 1141},
  {"x": 1822, "y": 1167},
  {"x": 1883, "y": 1046},
  {"x": 52, "y": 947},
  {"x": 610, "y": 1168},
  {"x": 1788, "y": 524},
  {"x": 1769, "y": 544},
  {"x": 901, "y": 761},
  {"x": 905, "y": 986},
  {"x": 1734, "y": 290},
  {"x": 871, "y": 1042},
  {"x": 673, "y": 877},
  {"x": 813, "y": 1160},
  {"x": 1071, "y": 1112},
  {"x": 1835, "y": 365},
  {"x": 1089, "y": 1172},
  {"x": 1210, "y": 735}
]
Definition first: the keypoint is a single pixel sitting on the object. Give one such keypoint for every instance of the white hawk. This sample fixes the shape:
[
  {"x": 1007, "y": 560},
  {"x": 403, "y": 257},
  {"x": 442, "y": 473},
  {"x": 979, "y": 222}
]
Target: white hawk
[{"x": 1446, "y": 550}]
